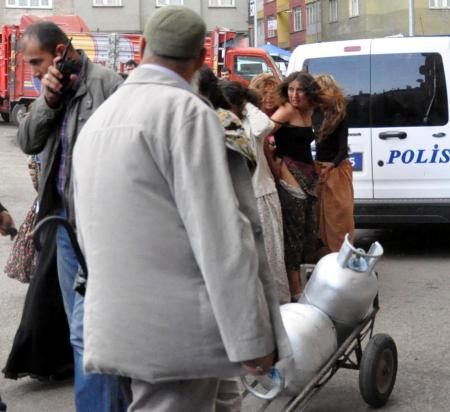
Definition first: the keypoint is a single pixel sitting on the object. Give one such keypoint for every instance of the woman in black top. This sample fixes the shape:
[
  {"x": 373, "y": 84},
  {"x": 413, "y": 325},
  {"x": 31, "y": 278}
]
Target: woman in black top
[
  {"x": 335, "y": 188},
  {"x": 292, "y": 166}
]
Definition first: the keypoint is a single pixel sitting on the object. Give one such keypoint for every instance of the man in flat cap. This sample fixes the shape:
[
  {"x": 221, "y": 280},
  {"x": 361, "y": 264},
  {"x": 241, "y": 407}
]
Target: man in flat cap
[{"x": 179, "y": 293}]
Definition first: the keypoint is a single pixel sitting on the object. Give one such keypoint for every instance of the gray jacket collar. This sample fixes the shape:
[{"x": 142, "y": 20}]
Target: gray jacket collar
[{"x": 151, "y": 76}]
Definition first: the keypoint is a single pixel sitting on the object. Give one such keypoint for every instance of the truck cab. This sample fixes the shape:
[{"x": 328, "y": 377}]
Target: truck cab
[{"x": 224, "y": 50}]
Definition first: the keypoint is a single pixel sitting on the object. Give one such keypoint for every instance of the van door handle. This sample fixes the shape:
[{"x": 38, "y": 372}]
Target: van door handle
[
  {"x": 392, "y": 135},
  {"x": 441, "y": 134}
]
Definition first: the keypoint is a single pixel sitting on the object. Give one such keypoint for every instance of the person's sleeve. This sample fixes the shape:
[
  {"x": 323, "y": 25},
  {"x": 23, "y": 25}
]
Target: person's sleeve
[
  {"x": 260, "y": 124},
  {"x": 221, "y": 237},
  {"x": 115, "y": 82},
  {"x": 342, "y": 137},
  {"x": 37, "y": 126}
]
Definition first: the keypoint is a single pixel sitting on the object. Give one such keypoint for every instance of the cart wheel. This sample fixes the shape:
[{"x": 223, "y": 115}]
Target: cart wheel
[{"x": 378, "y": 370}]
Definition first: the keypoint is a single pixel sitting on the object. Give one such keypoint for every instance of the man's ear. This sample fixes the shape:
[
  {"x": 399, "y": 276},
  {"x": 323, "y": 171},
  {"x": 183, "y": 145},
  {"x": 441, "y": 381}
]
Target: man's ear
[
  {"x": 59, "y": 49},
  {"x": 200, "y": 59}
]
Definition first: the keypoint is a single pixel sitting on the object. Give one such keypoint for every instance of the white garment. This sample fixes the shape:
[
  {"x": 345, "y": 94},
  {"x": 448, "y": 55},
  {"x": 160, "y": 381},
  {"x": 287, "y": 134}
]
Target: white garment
[
  {"x": 258, "y": 126},
  {"x": 269, "y": 209}
]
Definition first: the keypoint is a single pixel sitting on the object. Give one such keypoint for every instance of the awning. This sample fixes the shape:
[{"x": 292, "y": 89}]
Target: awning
[{"x": 276, "y": 51}]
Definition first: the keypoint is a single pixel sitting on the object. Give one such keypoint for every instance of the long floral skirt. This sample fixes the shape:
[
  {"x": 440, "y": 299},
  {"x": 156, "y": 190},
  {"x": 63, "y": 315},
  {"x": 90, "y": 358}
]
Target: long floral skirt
[
  {"x": 269, "y": 209},
  {"x": 335, "y": 206},
  {"x": 299, "y": 210}
]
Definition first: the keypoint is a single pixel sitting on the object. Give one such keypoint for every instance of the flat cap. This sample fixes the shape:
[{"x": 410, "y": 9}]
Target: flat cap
[{"x": 176, "y": 32}]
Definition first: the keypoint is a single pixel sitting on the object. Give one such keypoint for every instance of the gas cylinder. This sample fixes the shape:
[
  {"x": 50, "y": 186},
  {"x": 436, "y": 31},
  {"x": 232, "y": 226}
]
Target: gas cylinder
[
  {"x": 312, "y": 337},
  {"x": 344, "y": 284}
]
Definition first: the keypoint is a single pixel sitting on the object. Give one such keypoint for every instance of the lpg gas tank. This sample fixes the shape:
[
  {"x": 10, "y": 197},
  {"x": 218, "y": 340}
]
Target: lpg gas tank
[
  {"x": 313, "y": 340},
  {"x": 344, "y": 285}
]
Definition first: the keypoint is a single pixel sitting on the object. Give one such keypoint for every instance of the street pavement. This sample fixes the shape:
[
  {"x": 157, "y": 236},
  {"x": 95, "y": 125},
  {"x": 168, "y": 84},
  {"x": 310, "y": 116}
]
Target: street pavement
[{"x": 414, "y": 300}]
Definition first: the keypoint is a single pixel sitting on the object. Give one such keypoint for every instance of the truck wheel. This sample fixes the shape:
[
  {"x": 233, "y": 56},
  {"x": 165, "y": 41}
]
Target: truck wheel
[
  {"x": 378, "y": 370},
  {"x": 5, "y": 117},
  {"x": 18, "y": 113}
]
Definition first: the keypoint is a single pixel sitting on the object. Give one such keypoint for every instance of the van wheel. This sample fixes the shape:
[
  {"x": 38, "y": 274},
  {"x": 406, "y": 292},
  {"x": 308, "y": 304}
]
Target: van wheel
[
  {"x": 5, "y": 117},
  {"x": 378, "y": 370},
  {"x": 18, "y": 113}
]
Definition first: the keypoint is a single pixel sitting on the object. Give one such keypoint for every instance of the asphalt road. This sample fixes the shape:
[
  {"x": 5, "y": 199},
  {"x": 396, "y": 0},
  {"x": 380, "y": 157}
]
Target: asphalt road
[{"x": 414, "y": 299}]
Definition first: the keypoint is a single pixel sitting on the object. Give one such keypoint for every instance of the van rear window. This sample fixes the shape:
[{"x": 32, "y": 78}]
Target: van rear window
[{"x": 406, "y": 89}]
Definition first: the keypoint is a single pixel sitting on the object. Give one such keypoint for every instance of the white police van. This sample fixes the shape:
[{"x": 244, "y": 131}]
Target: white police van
[{"x": 398, "y": 112}]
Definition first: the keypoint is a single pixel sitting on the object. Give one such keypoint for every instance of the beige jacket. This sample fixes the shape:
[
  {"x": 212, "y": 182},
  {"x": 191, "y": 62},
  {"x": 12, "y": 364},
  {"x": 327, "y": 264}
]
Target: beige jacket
[{"x": 179, "y": 286}]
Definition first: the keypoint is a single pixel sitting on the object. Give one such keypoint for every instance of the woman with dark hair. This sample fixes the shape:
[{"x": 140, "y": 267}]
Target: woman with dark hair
[
  {"x": 292, "y": 165},
  {"x": 335, "y": 189},
  {"x": 258, "y": 126},
  {"x": 235, "y": 137}
]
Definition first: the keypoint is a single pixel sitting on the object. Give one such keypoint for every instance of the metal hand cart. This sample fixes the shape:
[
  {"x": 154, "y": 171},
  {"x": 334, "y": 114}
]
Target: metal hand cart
[{"x": 375, "y": 356}]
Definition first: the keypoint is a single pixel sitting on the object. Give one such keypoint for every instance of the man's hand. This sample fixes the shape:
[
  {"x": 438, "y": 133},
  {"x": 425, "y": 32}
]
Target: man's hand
[
  {"x": 6, "y": 222},
  {"x": 259, "y": 366},
  {"x": 51, "y": 83}
]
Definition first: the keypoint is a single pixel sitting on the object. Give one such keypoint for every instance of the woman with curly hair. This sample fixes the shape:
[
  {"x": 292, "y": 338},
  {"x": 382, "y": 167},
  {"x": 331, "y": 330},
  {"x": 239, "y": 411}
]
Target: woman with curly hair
[
  {"x": 335, "y": 188},
  {"x": 292, "y": 165},
  {"x": 266, "y": 87}
]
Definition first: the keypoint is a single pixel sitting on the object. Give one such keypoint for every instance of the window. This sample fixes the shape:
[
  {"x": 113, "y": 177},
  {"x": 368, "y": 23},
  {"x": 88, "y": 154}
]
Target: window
[
  {"x": 261, "y": 39},
  {"x": 271, "y": 26},
  {"x": 439, "y": 4},
  {"x": 108, "y": 3},
  {"x": 160, "y": 3},
  {"x": 353, "y": 75},
  {"x": 297, "y": 16},
  {"x": 354, "y": 8},
  {"x": 313, "y": 18},
  {"x": 221, "y": 3},
  {"x": 249, "y": 67},
  {"x": 413, "y": 94},
  {"x": 333, "y": 11},
  {"x": 29, "y": 4}
]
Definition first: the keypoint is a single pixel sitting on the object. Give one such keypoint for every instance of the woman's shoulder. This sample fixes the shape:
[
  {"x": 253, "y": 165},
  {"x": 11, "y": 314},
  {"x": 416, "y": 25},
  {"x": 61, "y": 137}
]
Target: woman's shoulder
[{"x": 283, "y": 114}]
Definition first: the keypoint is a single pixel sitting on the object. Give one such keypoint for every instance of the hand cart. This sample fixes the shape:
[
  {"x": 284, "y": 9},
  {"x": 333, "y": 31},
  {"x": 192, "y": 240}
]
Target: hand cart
[{"x": 375, "y": 356}]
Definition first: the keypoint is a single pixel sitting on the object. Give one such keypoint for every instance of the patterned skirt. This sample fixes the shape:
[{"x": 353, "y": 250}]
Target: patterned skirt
[{"x": 300, "y": 222}]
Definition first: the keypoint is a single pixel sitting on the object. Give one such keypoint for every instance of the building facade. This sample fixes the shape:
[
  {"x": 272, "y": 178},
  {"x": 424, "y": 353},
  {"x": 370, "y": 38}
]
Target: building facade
[
  {"x": 127, "y": 15},
  {"x": 283, "y": 22},
  {"x": 351, "y": 19},
  {"x": 288, "y": 23}
]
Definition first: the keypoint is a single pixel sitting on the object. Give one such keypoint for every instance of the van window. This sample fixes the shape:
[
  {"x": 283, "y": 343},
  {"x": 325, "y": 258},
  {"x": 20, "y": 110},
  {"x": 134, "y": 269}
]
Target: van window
[
  {"x": 353, "y": 75},
  {"x": 408, "y": 89}
]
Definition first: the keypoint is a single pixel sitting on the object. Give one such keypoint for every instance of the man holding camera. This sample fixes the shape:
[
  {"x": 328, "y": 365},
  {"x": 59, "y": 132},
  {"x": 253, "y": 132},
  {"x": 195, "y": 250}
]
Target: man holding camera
[{"x": 72, "y": 88}]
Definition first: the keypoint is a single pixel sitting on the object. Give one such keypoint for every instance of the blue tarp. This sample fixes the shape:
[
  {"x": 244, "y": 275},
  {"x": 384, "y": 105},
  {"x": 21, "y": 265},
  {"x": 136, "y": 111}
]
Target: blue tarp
[{"x": 276, "y": 51}]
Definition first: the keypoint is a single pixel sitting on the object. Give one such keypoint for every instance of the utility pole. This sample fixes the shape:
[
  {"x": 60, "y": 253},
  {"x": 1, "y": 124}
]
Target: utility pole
[
  {"x": 411, "y": 17},
  {"x": 254, "y": 14}
]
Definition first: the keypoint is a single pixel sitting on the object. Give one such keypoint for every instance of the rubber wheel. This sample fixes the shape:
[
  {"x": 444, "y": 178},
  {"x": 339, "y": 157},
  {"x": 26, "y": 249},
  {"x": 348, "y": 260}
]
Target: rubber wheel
[
  {"x": 378, "y": 370},
  {"x": 5, "y": 117},
  {"x": 18, "y": 113}
]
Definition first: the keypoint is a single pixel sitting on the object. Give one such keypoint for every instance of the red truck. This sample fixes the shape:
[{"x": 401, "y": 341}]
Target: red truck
[
  {"x": 244, "y": 62},
  {"x": 18, "y": 88}
]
